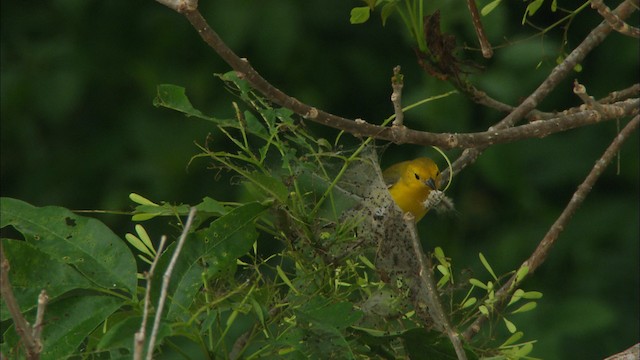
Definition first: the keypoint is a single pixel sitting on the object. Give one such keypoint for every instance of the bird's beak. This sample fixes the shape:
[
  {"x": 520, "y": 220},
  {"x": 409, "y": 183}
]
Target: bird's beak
[{"x": 430, "y": 183}]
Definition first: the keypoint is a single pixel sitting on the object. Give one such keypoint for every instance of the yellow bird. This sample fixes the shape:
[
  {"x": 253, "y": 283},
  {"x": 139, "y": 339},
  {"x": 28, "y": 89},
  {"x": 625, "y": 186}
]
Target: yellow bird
[{"x": 410, "y": 184}]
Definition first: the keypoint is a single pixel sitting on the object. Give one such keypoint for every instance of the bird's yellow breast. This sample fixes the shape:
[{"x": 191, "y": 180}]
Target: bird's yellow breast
[{"x": 410, "y": 184}]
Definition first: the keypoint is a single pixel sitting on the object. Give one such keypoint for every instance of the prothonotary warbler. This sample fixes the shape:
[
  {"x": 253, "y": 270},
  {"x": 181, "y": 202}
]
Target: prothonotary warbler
[{"x": 410, "y": 183}]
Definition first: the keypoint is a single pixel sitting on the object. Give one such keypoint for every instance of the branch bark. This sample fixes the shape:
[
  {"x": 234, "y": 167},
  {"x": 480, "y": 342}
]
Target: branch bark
[
  {"x": 397, "y": 134},
  {"x": 540, "y": 253},
  {"x": 30, "y": 337}
]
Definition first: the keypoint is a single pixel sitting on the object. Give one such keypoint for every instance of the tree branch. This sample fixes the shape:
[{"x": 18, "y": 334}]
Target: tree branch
[
  {"x": 430, "y": 289},
  {"x": 614, "y": 21},
  {"x": 26, "y": 333},
  {"x": 561, "y": 71},
  {"x": 487, "y": 51},
  {"x": 165, "y": 282},
  {"x": 397, "y": 134},
  {"x": 540, "y": 253}
]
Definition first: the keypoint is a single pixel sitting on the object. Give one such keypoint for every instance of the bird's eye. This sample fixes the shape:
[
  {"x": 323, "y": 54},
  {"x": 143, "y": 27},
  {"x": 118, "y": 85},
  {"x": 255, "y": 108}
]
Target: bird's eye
[{"x": 417, "y": 176}]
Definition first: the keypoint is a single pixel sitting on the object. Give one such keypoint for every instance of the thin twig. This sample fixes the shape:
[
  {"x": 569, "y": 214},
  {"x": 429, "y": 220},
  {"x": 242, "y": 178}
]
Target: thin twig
[
  {"x": 397, "y": 82},
  {"x": 397, "y": 134},
  {"x": 614, "y": 21},
  {"x": 139, "y": 337},
  {"x": 581, "y": 91},
  {"x": 631, "y": 91},
  {"x": 165, "y": 282},
  {"x": 487, "y": 51},
  {"x": 33, "y": 347},
  {"x": 540, "y": 253},
  {"x": 43, "y": 300},
  {"x": 561, "y": 71},
  {"x": 428, "y": 284}
]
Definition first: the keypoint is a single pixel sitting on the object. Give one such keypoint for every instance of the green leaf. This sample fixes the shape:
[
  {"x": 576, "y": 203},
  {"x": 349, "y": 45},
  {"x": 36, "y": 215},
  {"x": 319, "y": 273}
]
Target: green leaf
[
  {"x": 532, "y": 295},
  {"x": 521, "y": 273},
  {"x": 489, "y": 7},
  {"x": 174, "y": 97},
  {"x": 531, "y": 9},
  {"x": 212, "y": 251},
  {"x": 443, "y": 270},
  {"x": 67, "y": 324},
  {"x": 286, "y": 279},
  {"x": 484, "y": 310},
  {"x": 269, "y": 185},
  {"x": 84, "y": 243},
  {"x": 360, "y": 15},
  {"x": 339, "y": 315},
  {"x": 510, "y": 326},
  {"x": 478, "y": 283},
  {"x": 526, "y": 307},
  {"x": 524, "y": 350},
  {"x": 512, "y": 339},
  {"x": 386, "y": 11},
  {"x": 119, "y": 336},
  {"x": 32, "y": 271},
  {"x": 240, "y": 84},
  {"x": 254, "y": 125},
  {"x": 517, "y": 295},
  {"x": 211, "y": 206},
  {"x": 469, "y": 302},
  {"x": 139, "y": 199},
  {"x": 487, "y": 266},
  {"x": 554, "y": 5}
]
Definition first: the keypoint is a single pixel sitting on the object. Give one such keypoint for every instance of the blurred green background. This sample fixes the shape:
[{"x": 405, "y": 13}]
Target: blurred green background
[{"x": 79, "y": 131}]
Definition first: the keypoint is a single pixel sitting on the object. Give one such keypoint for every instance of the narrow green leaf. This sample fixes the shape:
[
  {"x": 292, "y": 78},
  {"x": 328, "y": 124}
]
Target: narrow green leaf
[
  {"x": 487, "y": 266},
  {"x": 521, "y": 273},
  {"x": 439, "y": 254},
  {"x": 532, "y": 295},
  {"x": 484, "y": 310},
  {"x": 388, "y": 9},
  {"x": 517, "y": 295},
  {"x": 257, "y": 309},
  {"x": 469, "y": 302},
  {"x": 285, "y": 278},
  {"x": 526, "y": 307},
  {"x": 510, "y": 326},
  {"x": 487, "y": 9},
  {"x": 478, "y": 283},
  {"x": 445, "y": 279},
  {"x": 139, "y": 199},
  {"x": 443, "y": 270},
  {"x": 144, "y": 237},
  {"x": 512, "y": 339},
  {"x": 524, "y": 350},
  {"x": 367, "y": 262},
  {"x": 144, "y": 216},
  {"x": 531, "y": 9},
  {"x": 137, "y": 243}
]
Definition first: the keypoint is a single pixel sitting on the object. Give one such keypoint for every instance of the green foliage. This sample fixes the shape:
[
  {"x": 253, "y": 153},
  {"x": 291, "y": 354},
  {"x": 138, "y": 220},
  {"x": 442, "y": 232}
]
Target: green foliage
[
  {"x": 410, "y": 11},
  {"x": 308, "y": 289}
]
